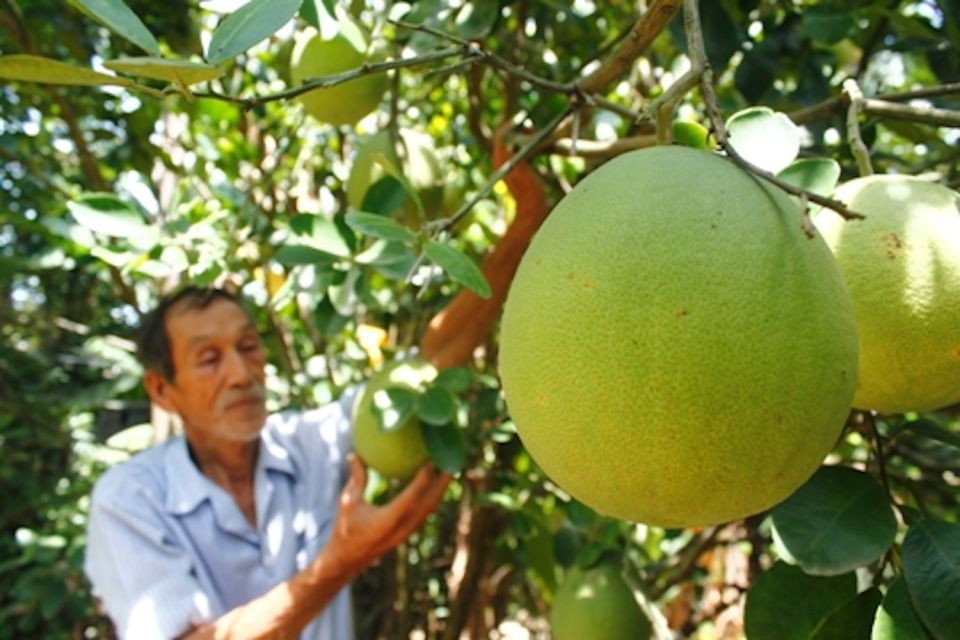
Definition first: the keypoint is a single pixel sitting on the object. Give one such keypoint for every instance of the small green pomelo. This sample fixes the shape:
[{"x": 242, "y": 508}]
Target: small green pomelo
[
  {"x": 902, "y": 266},
  {"x": 399, "y": 451},
  {"x": 598, "y": 604},
  {"x": 345, "y": 103},
  {"x": 675, "y": 349},
  {"x": 418, "y": 163}
]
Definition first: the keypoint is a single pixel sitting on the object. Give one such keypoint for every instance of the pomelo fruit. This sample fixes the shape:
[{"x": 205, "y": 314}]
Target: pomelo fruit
[
  {"x": 596, "y": 603},
  {"x": 314, "y": 57},
  {"x": 902, "y": 266},
  {"x": 416, "y": 159},
  {"x": 399, "y": 451},
  {"x": 675, "y": 349}
]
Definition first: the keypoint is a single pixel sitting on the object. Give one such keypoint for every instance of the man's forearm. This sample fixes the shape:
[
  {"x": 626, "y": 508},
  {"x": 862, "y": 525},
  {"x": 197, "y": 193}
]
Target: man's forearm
[{"x": 285, "y": 610}]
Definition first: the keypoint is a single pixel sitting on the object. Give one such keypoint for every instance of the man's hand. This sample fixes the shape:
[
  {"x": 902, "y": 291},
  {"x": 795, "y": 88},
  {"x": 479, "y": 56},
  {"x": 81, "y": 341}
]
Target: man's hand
[{"x": 363, "y": 532}]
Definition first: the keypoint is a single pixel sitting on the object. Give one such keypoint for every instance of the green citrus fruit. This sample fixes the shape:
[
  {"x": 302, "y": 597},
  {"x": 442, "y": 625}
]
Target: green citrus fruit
[
  {"x": 902, "y": 265},
  {"x": 691, "y": 134},
  {"x": 399, "y": 451},
  {"x": 345, "y": 103},
  {"x": 675, "y": 349},
  {"x": 418, "y": 163},
  {"x": 596, "y": 603}
]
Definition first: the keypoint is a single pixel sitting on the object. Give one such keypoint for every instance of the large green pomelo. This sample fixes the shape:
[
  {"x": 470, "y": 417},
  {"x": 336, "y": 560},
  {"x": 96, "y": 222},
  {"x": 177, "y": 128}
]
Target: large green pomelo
[
  {"x": 341, "y": 104},
  {"x": 418, "y": 164},
  {"x": 596, "y": 603},
  {"x": 675, "y": 349},
  {"x": 400, "y": 451},
  {"x": 902, "y": 265}
]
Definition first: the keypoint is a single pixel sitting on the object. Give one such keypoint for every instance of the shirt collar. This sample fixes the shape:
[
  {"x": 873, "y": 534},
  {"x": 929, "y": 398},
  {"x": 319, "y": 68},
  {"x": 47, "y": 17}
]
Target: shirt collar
[{"x": 188, "y": 487}]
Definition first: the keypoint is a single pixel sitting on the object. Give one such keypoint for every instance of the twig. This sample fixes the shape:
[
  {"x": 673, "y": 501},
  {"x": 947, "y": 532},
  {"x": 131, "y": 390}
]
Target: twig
[
  {"x": 598, "y": 149},
  {"x": 879, "y": 456},
  {"x": 525, "y": 151},
  {"x": 860, "y": 152},
  {"x": 697, "y": 50},
  {"x": 832, "y": 105}
]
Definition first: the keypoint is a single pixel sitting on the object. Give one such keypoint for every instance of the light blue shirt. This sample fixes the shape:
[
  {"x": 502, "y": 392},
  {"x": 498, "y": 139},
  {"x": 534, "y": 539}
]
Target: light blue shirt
[{"x": 168, "y": 549}]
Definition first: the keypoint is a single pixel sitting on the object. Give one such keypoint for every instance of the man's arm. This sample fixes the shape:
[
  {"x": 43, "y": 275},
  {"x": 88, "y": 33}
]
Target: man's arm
[{"x": 361, "y": 534}]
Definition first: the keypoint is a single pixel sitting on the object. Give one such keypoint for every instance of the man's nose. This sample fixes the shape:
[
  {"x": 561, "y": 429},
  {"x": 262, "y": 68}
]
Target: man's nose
[{"x": 237, "y": 370}]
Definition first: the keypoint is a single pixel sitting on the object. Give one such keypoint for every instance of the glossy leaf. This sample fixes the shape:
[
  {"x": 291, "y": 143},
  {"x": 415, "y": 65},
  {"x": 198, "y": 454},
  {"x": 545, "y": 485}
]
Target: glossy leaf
[
  {"x": 109, "y": 215},
  {"x": 182, "y": 73},
  {"x": 840, "y": 519},
  {"x": 765, "y": 138},
  {"x": 250, "y": 24},
  {"x": 818, "y": 175},
  {"x": 118, "y": 17},
  {"x": 379, "y": 226},
  {"x": 29, "y": 68},
  {"x": 436, "y": 406},
  {"x": 476, "y": 18},
  {"x": 931, "y": 566},
  {"x": 454, "y": 379},
  {"x": 446, "y": 446},
  {"x": 393, "y": 407},
  {"x": 300, "y": 254},
  {"x": 459, "y": 267},
  {"x": 852, "y": 620},
  {"x": 787, "y": 604},
  {"x": 393, "y": 259},
  {"x": 896, "y": 618}
]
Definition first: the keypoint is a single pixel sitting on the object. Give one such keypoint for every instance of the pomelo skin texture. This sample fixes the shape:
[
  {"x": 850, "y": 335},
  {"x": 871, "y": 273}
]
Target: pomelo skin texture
[
  {"x": 399, "y": 452},
  {"x": 597, "y": 604},
  {"x": 341, "y": 104},
  {"x": 902, "y": 266},
  {"x": 675, "y": 349}
]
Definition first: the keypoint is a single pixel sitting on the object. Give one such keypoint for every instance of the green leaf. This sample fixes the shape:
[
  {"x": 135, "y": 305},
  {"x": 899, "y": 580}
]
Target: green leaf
[
  {"x": 109, "y": 215},
  {"x": 393, "y": 406},
  {"x": 294, "y": 254},
  {"x": 182, "y": 73},
  {"x": 384, "y": 196},
  {"x": 379, "y": 226},
  {"x": 826, "y": 25},
  {"x": 436, "y": 406},
  {"x": 253, "y": 22},
  {"x": 818, "y": 175},
  {"x": 896, "y": 618},
  {"x": 454, "y": 379},
  {"x": 840, "y": 519},
  {"x": 116, "y": 15},
  {"x": 311, "y": 10},
  {"x": 476, "y": 19},
  {"x": 459, "y": 267},
  {"x": 787, "y": 604},
  {"x": 446, "y": 446},
  {"x": 393, "y": 259},
  {"x": 931, "y": 566},
  {"x": 392, "y": 170},
  {"x": 691, "y": 134},
  {"x": 46, "y": 71},
  {"x": 852, "y": 620},
  {"x": 932, "y": 430},
  {"x": 765, "y": 138}
]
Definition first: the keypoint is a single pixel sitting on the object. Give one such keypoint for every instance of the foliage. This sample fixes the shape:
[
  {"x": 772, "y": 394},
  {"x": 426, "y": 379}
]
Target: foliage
[{"x": 201, "y": 166}]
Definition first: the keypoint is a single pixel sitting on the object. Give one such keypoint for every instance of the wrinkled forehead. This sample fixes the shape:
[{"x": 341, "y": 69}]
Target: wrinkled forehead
[{"x": 188, "y": 323}]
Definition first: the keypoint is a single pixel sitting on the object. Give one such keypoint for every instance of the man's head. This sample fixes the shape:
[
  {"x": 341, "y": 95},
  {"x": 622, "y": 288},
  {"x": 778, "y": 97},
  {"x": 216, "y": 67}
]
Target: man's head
[{"x": 204, "y": 361}]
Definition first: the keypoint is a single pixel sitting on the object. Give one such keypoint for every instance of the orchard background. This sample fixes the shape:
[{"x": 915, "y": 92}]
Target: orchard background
[{"x": 115, "y": 187}]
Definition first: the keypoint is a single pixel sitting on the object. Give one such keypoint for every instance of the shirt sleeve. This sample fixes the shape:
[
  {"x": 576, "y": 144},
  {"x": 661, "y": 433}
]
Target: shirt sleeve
[{"x": 143, "y": 578}]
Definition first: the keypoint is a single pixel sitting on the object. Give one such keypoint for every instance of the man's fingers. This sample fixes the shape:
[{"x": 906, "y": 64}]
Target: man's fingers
[{"x": 353, "y": 491}]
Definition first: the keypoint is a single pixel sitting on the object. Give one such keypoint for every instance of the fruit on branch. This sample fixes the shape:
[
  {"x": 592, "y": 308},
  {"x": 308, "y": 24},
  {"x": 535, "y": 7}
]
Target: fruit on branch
[
  {"x": 313, "y": 57},
  {"x": 675, "y": 349},
  {"x": 416, "y": 160},
  {"x": 902, "y": 266},
  {"x": 597, "y": 603},
  {"x": 395, "y": 448}
]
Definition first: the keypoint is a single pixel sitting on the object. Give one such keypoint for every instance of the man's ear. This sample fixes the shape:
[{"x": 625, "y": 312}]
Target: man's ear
[{"x": 158, "y": 388}]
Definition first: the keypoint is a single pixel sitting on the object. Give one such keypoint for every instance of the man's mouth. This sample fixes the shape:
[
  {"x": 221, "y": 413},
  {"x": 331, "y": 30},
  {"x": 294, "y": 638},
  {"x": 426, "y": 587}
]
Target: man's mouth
[{"x": 246, "y": 403}]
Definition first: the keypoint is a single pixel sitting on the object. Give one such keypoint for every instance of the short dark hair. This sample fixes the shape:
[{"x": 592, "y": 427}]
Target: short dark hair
[{"x": 153, "y": 341}]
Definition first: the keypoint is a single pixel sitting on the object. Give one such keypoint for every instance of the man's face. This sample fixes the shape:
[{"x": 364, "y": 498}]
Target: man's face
[{"x": 218, "y": 384}]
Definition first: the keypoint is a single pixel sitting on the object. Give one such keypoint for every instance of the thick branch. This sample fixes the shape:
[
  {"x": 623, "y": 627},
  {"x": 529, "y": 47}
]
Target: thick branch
[{"x": 636, "y": 42}]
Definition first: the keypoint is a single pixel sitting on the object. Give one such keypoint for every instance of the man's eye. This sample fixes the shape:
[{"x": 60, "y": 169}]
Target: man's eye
[
  {"x": 249, "y": 346},
  {"x": 208, "y": 358}
]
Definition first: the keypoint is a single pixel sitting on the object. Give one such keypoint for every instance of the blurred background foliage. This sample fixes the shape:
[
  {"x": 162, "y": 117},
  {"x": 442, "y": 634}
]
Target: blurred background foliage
[{"x": 218, "y": 192}]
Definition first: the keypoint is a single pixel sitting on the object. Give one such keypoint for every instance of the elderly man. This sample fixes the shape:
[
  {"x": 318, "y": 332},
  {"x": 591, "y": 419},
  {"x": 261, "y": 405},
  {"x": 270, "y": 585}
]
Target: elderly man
[{"x": 252, "y": 525}]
